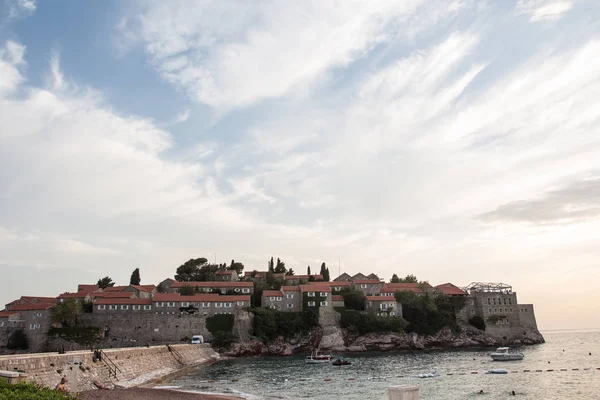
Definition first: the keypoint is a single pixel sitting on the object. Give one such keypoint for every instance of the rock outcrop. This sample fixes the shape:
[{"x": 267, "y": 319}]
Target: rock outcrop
[{"x": 333, "y": 338}]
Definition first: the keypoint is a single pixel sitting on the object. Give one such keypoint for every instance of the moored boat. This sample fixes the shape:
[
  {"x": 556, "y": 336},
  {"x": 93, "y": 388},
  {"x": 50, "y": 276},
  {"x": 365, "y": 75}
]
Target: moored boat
[
  {"x": 341, "y": 361},
  {"x": 504, "y": 354},
  {"x": 316, "y": 358}
]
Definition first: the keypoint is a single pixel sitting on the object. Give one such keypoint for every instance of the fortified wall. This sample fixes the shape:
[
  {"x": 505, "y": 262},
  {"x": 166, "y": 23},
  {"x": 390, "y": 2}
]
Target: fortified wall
[{"x": 84, "y": 371}]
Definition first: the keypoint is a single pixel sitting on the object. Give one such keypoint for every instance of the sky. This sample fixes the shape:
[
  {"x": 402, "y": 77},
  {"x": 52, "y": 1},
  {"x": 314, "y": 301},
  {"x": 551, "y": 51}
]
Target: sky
[{"x": 454, "y": 140}]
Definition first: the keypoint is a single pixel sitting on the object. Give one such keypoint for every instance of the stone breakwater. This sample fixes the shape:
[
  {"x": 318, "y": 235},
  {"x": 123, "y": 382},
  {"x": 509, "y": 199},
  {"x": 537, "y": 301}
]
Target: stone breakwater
[{"x": 136, "y": 365}]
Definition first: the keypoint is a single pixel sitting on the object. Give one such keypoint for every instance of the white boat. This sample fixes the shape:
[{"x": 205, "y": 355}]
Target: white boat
[
  {"x": 316, "y": 358},
  {"x": 504, "y": 354}
]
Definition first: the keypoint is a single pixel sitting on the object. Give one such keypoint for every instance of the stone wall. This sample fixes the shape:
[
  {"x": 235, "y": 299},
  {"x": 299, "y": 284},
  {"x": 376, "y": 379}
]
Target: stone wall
[
  {"x": 137, "y": 365},
  {"x": 527, "y": 316}
]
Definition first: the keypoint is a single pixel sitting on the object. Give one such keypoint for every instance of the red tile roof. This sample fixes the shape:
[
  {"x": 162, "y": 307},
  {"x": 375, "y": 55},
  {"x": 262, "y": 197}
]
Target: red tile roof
[
  {"x": 31, "y": 307},
  {"x": 208, "y": 297},
  {"x": 37, "y": 299},
  {"x": 78, "y": 295},
  {"x": 451, "y": 290},
  {"x": 124, "y": 301},
  {"x": 176, "y": 285},
  {"x": 115, "y": 295},
  {"x": 272, "y": 293},
  {"x": 144, "y": 288},
  {"x": 337, "y": 297},
  {"x": 226, "y": 272},
  {"x": 87, "y": 288},
  {"x": 305, "y": 277},
  {"x": 367, "y": 281},
  {"x": 6, "y": 314},
  {"x": 290, "y": 288},
  {"x": 409, "y": 287},
  {"x": 114, "y": 288},
  {"x": 314, "y": 288},
  {"x": 331, "y": 284},
  {"x": 381, "y": 298}
]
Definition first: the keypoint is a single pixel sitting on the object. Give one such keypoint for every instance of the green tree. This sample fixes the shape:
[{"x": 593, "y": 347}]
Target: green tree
[
  {"x": 67, "y": 313},
  {"x": 308, "y": 271},
  {"x": 290, "y": 272},
  {"x": 271, "y": 265},
  {"x": 105, "y": 282},
  {"x": 353, "y": 299},
  {"x": 324, "y": 272},
  {"x": 135, "y": 277},
  {"x": 395, "y": 279},
  {"x": 187, "y": 290},
  {"x": 198, "y": 270},
  {"x": 280, "y": 267},
  {"x": 18, "y": 341},
  {"x": 236, "y": 266},
  {"x": 409, "y": 279}
]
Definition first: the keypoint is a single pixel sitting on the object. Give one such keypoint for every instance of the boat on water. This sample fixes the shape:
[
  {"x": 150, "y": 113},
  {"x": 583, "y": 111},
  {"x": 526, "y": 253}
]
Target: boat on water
[
  {"x": 504, "y": 354},
  {"x": 316, "y": 358},
  {"x": 341, "y": 361}
]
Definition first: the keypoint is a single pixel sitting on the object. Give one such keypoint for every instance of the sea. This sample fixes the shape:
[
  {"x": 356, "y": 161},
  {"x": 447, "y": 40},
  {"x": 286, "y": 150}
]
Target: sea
[{"x": 567, "y": 366}]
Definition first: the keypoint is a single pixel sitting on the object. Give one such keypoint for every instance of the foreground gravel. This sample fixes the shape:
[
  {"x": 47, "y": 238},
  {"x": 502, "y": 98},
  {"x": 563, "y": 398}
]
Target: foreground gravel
[{"x": 149, "y": 394}]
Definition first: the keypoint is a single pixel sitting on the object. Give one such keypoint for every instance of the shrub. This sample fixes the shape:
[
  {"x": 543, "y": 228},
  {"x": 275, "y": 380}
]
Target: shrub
[
  {"x": 29, "y": 391},
  {"x": 18, "y": 341},
  {"x": 477, "y": 322},
  {"x": 429, "y": 313},
  {"x": 222, "y": 339},
  {"x": 220, "y": 323},
  {"x": 269, "y": 324},
  {"x": 353, "y": 299},
  {"x": 361, "y": 322}
]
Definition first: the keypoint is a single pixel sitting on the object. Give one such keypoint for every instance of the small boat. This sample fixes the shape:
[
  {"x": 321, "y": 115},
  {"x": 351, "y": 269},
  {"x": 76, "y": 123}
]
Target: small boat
[
  {"x": 504, "y": 354},
  {"x": 316, "y": 358},
  {"x": 498, "y": 371},
  {"x": 341, "y": 361}
]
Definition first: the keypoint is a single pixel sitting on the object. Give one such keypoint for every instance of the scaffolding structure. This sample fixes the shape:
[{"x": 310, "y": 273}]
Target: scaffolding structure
[{"x": 488, "y": 287}]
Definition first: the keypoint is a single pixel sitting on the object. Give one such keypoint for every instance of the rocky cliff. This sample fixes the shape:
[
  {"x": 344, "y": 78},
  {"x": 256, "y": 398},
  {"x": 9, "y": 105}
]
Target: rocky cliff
[{"x": 333, "y": 338}]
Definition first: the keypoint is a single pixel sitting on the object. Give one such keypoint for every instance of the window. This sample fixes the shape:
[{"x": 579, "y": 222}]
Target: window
[
  {"x": 171, "y": 304},
  {"x": 337, "y": 288},
  {"x": 289, "y": 305},
  {"x": 489, "y": 301},
  {"x": 1, "y": 323},
  {"x": 37, "y": 315},
  {"x": 383, "y": 306},
  {"x": 272, "y": 298},
  {"x": 490, "y": 310},
  {"x": 112, "y": 307},
  {"x": 323, "y": 294},
  {"x": 160, "y": 304},
  {"x": 124, "y": 307},
  {"x": 495, "y": 310},
  {"x": 134, "y": 307},
  {"x": 311, "y": 294},
  {"x": 392, "y": 313},
  {"x": 363, "y": 286},
  {"x": 509, "y": 300},
  {"x": 289, "y": 296},
  {"x": 195, "y": 304},
  {"x": 101, "y": 307},
  {"x": 240, "y": 303},
  {"x": 505, "y": 301},
  {"x": 148, "y": 307},
  {"x": 323, "y": 304},
  {"x": 237, "y": 289},
  {"x": 218, "y": 305},
  {"x": 33, "y": 327},
  {"x": 245, "y": 290},
  {"x": 227, "y": 305},
  {"x": 311, "y": 303},
  {"x": 494, "y": 301},
  {"x": 185, "y": 304}
]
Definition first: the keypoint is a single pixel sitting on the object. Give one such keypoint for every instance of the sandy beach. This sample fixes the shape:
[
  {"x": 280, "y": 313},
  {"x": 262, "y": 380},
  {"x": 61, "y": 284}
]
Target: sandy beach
[{"x": 150, "y": 394}]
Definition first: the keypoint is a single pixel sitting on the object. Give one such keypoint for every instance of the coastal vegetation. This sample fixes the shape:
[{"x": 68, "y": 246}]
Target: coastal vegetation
[
  {"x": 353, "y": 299},
  {"x": 105, "y": 282},
  {"x": 135, "y": 277},
  {"x": 18, "y": 340},
  {"x": 269, "y": 324},
  {"x": 362, "y": 323},
  {"x": 429, "y": 312},
  {"x": 477, "y": 322},
  {"x": 221, "y": 327},
  {"x": 67, "y": 313},
  {"x": 29, "y": 391}
]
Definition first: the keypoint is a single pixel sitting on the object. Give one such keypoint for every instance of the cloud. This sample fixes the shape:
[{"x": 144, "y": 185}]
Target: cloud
[
  {"x": 544, "y": 10},
  {"x": 182, "y": 117},
  {"x": 576, "y": 202},
  {"x": 20, "y": 8},
  {"x": 233, "y": 54},
  {"x": 11, "y": 59}
]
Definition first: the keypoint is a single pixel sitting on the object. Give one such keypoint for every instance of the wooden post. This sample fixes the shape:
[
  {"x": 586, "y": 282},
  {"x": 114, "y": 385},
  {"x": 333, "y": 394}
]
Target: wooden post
[{"x": 403, "y": 392}]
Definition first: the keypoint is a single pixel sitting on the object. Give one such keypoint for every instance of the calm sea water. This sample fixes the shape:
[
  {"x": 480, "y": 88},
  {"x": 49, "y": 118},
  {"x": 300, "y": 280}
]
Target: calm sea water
[{"x": 371, "y": 374}]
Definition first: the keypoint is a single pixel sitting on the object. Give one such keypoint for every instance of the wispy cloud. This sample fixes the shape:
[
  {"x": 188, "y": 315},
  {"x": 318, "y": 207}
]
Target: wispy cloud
[
  {"x": 182, "y": 117},
  {"x": 544, "y": 10},
  {"x": 20, "y": 8}
]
